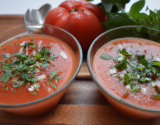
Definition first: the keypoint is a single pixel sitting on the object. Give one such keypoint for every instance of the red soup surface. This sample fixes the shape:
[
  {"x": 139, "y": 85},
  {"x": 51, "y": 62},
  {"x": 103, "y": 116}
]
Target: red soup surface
[
  {"x": 33, "y": 67},
  {"x": 129, "y": 68}
]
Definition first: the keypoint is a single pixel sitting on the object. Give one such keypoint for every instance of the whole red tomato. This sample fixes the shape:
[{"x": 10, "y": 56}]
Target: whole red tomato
[{"x": 80, "y": 18}]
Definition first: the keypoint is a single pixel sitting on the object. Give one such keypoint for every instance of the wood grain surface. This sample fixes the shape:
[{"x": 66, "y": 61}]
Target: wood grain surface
[{"x": 82, "y": 104}]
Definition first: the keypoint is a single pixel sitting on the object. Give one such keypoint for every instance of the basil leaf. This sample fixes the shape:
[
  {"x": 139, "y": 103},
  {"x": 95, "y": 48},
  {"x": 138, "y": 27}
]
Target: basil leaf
[
  {"x": 52, "y": 74},
  {"x": 136, "y": 7},
  {"x": 57, "y": 77},
  {"x": 156, "y": 63},
  {"x": 117, "y": 20},
  {"x": 124, "y": 52},
  {"x": 122, "y": 64},
  {"x": 106, "y": 56}
]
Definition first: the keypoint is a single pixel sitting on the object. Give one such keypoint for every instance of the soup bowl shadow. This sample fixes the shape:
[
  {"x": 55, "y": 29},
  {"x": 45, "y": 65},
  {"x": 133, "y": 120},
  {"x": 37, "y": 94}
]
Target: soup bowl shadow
[
  {"x": 46, "y": 104},
  {"x": 124, "y": 108}
]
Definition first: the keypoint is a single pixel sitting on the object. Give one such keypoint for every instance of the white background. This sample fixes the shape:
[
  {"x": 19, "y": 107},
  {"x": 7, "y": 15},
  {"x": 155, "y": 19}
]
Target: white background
[{"x": 8, "y": 7}]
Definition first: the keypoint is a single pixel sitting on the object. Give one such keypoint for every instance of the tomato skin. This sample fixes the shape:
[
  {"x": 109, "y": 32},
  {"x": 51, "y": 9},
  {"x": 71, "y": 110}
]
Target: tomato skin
[{"x": 84, "y": 24}]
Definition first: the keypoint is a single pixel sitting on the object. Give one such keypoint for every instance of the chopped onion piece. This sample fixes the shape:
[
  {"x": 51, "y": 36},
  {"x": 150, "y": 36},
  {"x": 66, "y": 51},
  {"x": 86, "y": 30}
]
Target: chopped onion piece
[
  {"x": 157, "y": 59},
  {"x": 121, "y": 75},
  {"x": 8, "y": 55},
  {"x": 34, "y": 53},
  {"x": 129, "y": 69},
  {"x": 120, "y": 57},
  {"x": 156, "y": 83},
  {"x": 120, "y": 46},
  {"x": 21, "y": 50},
  {"x": 128, "y": 87},
  {"x": 41, "y": 77},
  {"x": 144, "y": 90},
  {"x": 31, "y": 88},
  {"x": 38, "y": 64},
  {"x": 63, "y": 54},
  {"x": 113, "y": 71},
  {"x": 23, "y": 43}
]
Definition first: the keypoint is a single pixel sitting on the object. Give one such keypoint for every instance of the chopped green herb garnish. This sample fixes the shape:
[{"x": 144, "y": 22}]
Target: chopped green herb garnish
[
  {"x": 124, "y": 52},
  {"x": 54, "y": 86},
  {"x": 3, "y": 55},
  {"x": 57, "y": 77},
  {"x": 5, "y": 76},
  {"x": 34, "y": 93},
  {"x": 15, "y": 43},
  {"x": 36, "y": 86},
  {"x": 5, "y": 88},
  {"x": 106, "y": 56},
  {"x": 111, "y": 48},
  {"x": 13, "y": 91},
  {"x": 31, "y": 39},
  {"x": 52, "y": 74},
  {"x": 127, "y": 92},
  {"x": 126, "y": 79},
  {"x": 122, "y": 64}
]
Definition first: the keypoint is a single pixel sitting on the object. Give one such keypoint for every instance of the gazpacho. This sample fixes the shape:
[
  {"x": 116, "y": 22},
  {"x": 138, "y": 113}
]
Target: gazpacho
[
  {"x": 33, "y": 67},
  {"x": 129, "y": 69}
]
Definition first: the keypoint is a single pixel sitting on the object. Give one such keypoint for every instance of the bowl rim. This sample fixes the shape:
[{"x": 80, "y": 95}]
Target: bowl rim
[
  {"x": 100, "y": 86},
  {"x": 61, "y": 89}
]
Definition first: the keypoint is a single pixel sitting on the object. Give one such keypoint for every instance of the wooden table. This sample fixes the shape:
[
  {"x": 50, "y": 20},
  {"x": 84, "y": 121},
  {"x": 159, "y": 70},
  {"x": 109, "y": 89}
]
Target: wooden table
[{"x": 83, "y": 103}]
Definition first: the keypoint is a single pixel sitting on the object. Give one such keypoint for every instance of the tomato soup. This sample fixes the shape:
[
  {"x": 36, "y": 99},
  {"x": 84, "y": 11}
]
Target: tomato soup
[
  {"x": 129, "y": 68},
  {"x": 33, "y": 67}
]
